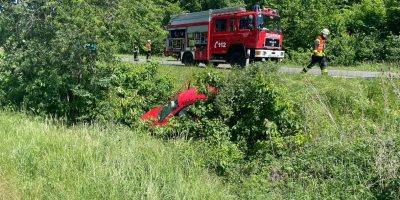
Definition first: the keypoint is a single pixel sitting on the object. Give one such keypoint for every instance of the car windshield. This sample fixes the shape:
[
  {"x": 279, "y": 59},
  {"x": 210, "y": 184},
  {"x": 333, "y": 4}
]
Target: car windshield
[
  {"x": 167, "y": 109},
  {"x": 270, "y": 23}
]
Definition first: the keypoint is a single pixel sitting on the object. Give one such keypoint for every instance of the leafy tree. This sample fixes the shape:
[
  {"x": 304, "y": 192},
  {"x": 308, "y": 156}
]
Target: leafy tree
[
  {"x": 393, "y": 17},
  {"x": 138, "y": 21},
  {"x": 194, "y": 6},
  {"x": 55, "y": 56}
]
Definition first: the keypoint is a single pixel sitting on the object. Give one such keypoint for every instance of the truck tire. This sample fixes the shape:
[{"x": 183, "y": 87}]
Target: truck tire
[
  {"x": 188, "y": 59},
  {"x": 237, "y": 59}
]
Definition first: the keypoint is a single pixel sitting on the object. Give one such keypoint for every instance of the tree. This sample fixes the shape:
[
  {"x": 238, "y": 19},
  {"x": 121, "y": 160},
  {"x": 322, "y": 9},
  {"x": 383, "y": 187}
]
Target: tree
[
  {"x": 56, "y": 56},
  {"x": 141, "y": 20}
]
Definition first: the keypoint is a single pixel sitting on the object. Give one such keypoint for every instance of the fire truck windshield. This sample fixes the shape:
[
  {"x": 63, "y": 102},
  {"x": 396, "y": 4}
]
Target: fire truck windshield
[{"x": 269, "y": 23}]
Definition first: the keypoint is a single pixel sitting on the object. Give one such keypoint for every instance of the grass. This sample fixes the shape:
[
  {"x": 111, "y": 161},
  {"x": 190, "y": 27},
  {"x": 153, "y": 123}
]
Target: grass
[
  {"x": 180, "y": 75},
  {"x": 367, "y": 66},
  {"x": 6, "y": 189},
  {"x": 46, "y": 161},
  {"x": 142, "y": 57},
  {"x": 353, "y": 151}
]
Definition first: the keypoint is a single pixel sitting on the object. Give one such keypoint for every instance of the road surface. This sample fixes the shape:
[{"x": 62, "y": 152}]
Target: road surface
[{"x": 294, "y": 70}]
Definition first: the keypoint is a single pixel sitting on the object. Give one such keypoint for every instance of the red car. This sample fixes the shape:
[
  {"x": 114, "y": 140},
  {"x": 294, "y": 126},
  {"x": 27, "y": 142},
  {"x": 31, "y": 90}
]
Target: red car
[{"x": 162, "y": 114}]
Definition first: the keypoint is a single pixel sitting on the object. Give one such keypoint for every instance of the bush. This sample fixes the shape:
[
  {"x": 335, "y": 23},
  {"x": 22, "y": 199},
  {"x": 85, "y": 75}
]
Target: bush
[
  {"x": 299, "y": 56},
  {"x": 65, "y": 67},
  {"x": 369, "y": 48},
  {"x": 392, "y": 49},
  {"x": 57, "y": 58},
  {"x": 258, "y": 111},
  {"x": 135, "y": 89},
  {"x": 342, "y": 50}
]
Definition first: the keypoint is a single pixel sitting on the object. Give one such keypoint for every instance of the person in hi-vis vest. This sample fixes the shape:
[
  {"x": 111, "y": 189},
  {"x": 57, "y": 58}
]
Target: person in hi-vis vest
[
  {"x": 148, "y": 48},
  {"x": 319, "y": 56}
]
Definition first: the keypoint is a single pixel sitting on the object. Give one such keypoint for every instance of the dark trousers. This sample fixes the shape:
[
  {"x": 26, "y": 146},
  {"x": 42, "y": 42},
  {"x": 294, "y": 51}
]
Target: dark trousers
[
  {"x": 322, "y": 61},
  {"x": 148, "y": 55},
  {"x": 135, "y": 56}
]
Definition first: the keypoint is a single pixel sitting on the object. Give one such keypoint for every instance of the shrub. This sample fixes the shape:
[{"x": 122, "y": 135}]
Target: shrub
[
  {"x": 257, "y": 110},
  {"x": 392, "y": 49},
  {"x": 342, "y": 50},
  {"x": 135, "y": 89},
  {"x": 299, "y": 56},
  {"x": 57, "y": 58},
  {"x": 369, "y": 48}
]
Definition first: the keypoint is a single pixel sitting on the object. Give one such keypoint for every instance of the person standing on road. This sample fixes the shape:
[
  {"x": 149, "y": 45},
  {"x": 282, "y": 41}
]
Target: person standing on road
[
  {"x": 135, "y": 53},
  {"x": 148, "y": 50},
  {"x": 319, "y": 56}
]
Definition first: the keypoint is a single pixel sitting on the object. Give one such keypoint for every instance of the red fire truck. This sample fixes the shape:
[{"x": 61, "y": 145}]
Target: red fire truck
[{"x": 232, "y": 35}]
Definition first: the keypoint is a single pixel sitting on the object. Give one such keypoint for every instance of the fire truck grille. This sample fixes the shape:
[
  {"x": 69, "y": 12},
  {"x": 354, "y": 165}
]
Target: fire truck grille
[{"x": 272, "y": 42}]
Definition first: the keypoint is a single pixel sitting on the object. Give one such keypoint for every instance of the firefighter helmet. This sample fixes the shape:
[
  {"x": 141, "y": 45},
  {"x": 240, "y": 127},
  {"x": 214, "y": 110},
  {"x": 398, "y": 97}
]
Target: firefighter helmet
[{"x": 325, "y": 31}]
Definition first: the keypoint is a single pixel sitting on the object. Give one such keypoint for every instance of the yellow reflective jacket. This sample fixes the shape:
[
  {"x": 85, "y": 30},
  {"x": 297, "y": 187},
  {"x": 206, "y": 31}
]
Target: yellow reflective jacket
[{"x": 319, "y": 46}]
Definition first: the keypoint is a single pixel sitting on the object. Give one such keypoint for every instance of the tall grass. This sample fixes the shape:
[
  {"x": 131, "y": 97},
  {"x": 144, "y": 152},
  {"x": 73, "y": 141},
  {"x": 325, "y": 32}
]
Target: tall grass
[
  {"x": 354, "y": 151},
  {"x": 46, "y": 161}
]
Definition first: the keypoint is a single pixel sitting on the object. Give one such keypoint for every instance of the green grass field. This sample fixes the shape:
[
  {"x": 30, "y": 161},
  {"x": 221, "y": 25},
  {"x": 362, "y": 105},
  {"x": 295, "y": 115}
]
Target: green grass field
[{"x": 40, "y": 160}]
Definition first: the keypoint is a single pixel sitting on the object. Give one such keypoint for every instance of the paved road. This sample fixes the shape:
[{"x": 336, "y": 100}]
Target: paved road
[{"x": 292, "y": 70}]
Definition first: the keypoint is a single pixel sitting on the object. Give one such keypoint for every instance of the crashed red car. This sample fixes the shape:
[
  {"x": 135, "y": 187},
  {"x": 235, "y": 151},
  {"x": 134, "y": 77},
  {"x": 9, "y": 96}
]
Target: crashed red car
[{"x": 160, "y": 115}]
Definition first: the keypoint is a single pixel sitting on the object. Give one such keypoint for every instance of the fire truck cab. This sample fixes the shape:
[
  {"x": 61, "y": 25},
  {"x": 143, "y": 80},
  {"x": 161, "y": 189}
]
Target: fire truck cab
[{"x": 231, "y": 35}]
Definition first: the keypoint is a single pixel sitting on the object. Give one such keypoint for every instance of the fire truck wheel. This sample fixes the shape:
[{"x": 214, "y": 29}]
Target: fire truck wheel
[
  {"x": 187, "y": 59},
  {"x": 215, "y": 64},
  {"x": 237, "y": 59}
]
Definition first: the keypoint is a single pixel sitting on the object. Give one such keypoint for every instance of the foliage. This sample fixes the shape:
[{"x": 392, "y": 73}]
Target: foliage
[
  {"x": 267, "y": 134},
  {"x": 307, "y": 137},
  {"x": 360, "y": 29},
  {"x": 56, "y": 57},
  {"x": 258, "y": 112},
  {"x": 250, "y": 116},
  {"x": 392, "y": 49},
  {"x": 135, "y": 22},
  {"x": 62, "y": 65},
  {"x": 280, "y": 136},
  {"x": 134, "y": 89}
]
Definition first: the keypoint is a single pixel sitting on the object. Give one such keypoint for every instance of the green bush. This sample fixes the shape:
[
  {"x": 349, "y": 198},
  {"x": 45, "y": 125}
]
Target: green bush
[
  {"x": 342, "y": 50},
  {"x": 211, "y": 139},
  {"x": 392, "y": 49},
  {"x": 57, "y": 58},
  {"x": 257, "y": 109},
  {"x": 135, "y": 89},
  {"x": 369, "y": 48},
  {"x": 65, "y": 67},
  {"x": 299, "y": 56},
  {"x": 250, "y": 117}
]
